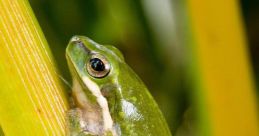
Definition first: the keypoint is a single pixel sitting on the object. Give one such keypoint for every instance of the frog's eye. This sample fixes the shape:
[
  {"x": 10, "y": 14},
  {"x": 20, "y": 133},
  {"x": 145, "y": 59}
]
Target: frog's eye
[{"x": 98, "y": 66}]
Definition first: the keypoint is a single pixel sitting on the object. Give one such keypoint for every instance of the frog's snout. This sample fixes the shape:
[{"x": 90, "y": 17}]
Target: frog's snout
[
  {"x": 75, "y": 38},
  {"x": 76, "y": 44}
]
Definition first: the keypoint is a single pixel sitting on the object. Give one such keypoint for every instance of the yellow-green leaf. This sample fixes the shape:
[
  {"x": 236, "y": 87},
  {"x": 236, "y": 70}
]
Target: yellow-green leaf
[
  {"x": 32, "y": 100},
  {"x": 225, "y": 93}
]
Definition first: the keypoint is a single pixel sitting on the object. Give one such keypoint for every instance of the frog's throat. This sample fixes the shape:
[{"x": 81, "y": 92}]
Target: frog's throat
[
  {"x": 94, "y": 88},
  {"x": 102, "y": 102}
]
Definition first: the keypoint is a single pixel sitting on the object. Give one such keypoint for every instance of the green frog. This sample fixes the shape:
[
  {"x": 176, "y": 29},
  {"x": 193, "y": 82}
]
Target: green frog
[{"x": 109, "y": 98}]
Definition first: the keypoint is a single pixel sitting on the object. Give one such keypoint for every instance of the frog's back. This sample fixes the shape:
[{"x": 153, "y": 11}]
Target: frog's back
[{"x": 138, "y": 113}]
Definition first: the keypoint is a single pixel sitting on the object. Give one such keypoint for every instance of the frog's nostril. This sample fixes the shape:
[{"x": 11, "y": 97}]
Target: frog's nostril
[
  {"x": 75, "y": 39},
  {"x": 76, "y": 43}
]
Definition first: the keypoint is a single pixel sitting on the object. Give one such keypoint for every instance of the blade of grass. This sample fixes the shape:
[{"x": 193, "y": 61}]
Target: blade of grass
[
  {"x": 225, "y": 92},
  {"x": 32, "y": 99}
]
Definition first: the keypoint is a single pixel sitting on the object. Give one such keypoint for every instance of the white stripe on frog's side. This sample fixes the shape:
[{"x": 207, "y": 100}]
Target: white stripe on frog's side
[{"x": 94, "y": 88}]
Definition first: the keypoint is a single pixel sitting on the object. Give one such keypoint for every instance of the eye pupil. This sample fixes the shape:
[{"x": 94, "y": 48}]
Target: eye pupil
[{"x": 97, "y": 64}]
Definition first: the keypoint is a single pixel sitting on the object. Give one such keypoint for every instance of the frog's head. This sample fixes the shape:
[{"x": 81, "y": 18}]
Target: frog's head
[
  {"x": 92, "y": 60},
  {"x": 92, "y": 64},
  {"x": 94, "y": 69}
]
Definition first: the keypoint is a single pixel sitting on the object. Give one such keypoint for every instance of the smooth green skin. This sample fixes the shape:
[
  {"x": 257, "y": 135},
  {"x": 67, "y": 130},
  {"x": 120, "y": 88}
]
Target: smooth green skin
[{"x": 133, "y": 109}]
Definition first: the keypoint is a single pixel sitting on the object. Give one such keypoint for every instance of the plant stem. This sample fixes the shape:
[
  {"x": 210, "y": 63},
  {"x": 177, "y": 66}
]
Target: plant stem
[{"x": 32, "y": 99}]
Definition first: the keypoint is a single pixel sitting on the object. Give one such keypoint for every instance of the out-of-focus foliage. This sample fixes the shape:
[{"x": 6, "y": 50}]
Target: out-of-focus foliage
[
  {"x": 250, "y": 14},
  {"x": 224, "y": 93}
]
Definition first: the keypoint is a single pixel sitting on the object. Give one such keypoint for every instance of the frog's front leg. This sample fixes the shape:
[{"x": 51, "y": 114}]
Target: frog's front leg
[{"x": 76, "y": 125}]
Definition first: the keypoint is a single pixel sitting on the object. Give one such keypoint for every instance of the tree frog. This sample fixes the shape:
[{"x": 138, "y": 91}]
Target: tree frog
[{"x": 109, "y": 98}]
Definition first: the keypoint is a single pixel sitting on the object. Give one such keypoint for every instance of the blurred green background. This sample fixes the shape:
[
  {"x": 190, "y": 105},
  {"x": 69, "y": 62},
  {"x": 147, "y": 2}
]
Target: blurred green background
[
  {"x": 150, "y": 34},
  {"x": 250, "y": 10}
]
